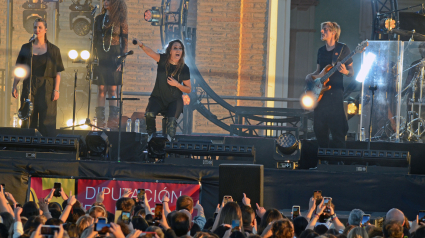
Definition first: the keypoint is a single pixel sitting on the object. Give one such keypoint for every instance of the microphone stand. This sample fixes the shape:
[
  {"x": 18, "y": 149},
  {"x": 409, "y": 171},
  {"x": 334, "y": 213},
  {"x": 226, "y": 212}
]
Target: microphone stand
[{"x": 121, "y": 99}]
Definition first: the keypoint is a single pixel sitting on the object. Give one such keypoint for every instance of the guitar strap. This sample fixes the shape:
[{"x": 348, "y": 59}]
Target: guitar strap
[{"x": 338, "y": 50}]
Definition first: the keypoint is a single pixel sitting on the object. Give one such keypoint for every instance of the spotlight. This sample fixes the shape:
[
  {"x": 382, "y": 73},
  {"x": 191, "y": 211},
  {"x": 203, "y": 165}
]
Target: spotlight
[
  {"x": 186, "y": 99},
  {"x": 80, "y": 18},
  {"x": 308, "y": 100},
  {"x": 73, "y": 54},
  {"x": 69, "y": 122},
  {"x": 33, "y": 11},
  {"x": 386, "y": 24},
  {"x": 353, "y": 107},
  {"x": 287, "y": 143},
  {"x": 154, "y": 16},
  {"x": 367, "y": 63},
  {"x": 97, "y": 144},
  {"x": 83, "y": 125},
  {"x": 85, "y": 55},
  {"x": 21, "y": 71}
]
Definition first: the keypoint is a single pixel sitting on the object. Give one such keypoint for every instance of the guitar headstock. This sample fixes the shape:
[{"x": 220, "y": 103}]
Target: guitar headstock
[{"x": 361, "y": 47}]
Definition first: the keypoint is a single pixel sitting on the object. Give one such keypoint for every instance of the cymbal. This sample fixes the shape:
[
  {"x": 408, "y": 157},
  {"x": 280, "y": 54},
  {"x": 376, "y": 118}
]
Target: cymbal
[{"x": 416, "y": 36}]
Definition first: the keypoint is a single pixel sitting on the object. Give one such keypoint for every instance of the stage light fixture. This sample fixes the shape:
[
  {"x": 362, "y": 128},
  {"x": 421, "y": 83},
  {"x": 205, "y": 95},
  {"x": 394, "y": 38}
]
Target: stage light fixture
[
  {"x": 386, "y": 24},
  {"x": 154, "y": 16},
  {"x": 85, "y": 55},
  {"x": 21, "y": 71},
  {"x": 73, "y": 54},
  {"x": 97, "y": 143},
  {"x": 80, "y": 18},
  {"x": 186, "y": 99},
  {"x": 308, "y": 101},
  {"x": 287, "y": 143},
  {"x": 34, "y": 10},
  {"x": 367, "y": 63},
  {"x": 83, "y": 125}
]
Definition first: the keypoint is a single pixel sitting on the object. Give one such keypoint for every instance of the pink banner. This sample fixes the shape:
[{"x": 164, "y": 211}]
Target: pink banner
[{"x": 88, "y": 189}]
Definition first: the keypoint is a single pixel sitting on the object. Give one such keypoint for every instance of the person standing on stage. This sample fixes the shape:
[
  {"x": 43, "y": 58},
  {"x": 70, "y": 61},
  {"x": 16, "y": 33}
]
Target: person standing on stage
[
  {"x": 329, "y": 114},
  {"x": 45, "y": 80},
  {"x": 172, "y": 80},
  {"x": 110, "y": 40}
]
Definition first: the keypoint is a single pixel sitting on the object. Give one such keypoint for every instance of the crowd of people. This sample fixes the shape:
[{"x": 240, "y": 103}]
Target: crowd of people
[{"x": 231, "y": 220}]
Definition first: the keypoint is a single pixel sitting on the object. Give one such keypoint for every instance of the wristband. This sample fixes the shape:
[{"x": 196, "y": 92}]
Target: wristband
[
  {"x": 333, "y": 217},
  {"x": 317, "y": 215},
  {"x": 164, "y": 201},
  {"x": 54, "y": 90}
]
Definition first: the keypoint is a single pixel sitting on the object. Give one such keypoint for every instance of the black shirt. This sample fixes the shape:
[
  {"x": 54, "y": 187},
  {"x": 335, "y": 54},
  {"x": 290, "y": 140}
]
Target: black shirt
[
  {"x": 324, "y": 58},
  {"x": 162, "y": 89},
  {"x": 39, "y": 64}
]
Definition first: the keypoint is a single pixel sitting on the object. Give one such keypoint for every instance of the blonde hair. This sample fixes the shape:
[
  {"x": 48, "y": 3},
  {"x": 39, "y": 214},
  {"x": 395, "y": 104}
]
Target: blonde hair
[
  {"x": 83, "y": 222},
  {"x": 358, "y": 232},
  {"x": 334, "y": 27}
]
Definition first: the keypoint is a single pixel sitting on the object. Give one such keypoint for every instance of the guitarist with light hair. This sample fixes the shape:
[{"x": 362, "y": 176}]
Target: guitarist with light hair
[{"x": 329, "y": 115}]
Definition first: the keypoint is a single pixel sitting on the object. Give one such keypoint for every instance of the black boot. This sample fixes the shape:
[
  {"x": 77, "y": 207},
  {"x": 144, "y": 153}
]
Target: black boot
[
  {"x": 100, "y": 114},
  {"x": 150, "y": 124},
  {"x": 113, "y": 119},
  {"x": 171, "y": 128}
]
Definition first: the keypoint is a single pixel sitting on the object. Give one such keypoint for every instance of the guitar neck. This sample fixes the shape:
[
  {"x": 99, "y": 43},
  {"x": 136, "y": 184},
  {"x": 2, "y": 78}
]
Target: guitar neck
[{"x": 334, "y": 69}]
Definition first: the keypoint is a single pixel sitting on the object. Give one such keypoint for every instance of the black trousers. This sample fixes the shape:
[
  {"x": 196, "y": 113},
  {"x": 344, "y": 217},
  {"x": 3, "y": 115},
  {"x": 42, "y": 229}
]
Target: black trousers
[
  {"x": 45, "y": 110},
  {"x": 173, "y": 109},
  {"x": 329, "y": 116}
]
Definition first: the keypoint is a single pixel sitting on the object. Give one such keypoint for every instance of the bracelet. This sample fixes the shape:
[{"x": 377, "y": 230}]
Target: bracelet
[
  {"x": 317, "y": 215},
  {"x": 143, "y": 45},
  {"x": 164, "y": 201},
  {"x": 333, "y": 217},
  {"x": 54, "y": 90}
]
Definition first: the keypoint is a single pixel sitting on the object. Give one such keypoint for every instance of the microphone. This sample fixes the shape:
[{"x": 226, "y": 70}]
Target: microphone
[
  {"x": 126, "y": 54},
  {"x": 134, "y": 42},
  {"x": 94, "y": 10},
  {"x": 33, "y": 37}
]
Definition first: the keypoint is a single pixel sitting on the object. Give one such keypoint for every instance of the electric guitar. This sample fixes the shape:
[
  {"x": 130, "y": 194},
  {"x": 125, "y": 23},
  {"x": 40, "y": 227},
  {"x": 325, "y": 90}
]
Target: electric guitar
[{"x": 318, "y": 85}]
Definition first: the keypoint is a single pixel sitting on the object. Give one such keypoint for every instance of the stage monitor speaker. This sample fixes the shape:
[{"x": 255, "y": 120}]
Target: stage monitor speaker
[{"x": 236, "y": 179}]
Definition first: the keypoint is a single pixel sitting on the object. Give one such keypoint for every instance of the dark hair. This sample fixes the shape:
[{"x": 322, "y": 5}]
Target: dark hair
[
  {"x": 45, "y": 26},
  {"x": 4, "y": 232},
  {"x": 55, "y": 213},
  {"x": 72, "y": 230},
  {"x": 77, "y": 204},
  {"x": 125, "y": 204},
  {"x": 282, "y": 229},
  {"x": 231, "y": 211},
  {"x": 308, "y": 234},
  {"x": 269, "y": 216},
  {"x": 180, "y": 223},
  {"x": 376, "y": 231},
  {"x": 54, "y": 221},
  {"x": 237, "y": 234},
  {"x": 300, "y": 223},
  {"x": 55, "y": 205},
  {"x": 202, "y": 234},
  {"x": 139, "y": 223},
  {"x": 180, "y": 64},
  {"x": 184, "y": 202},
  {"x": 247, "y": 213},
  {"x": 75, "y": 214},
  {"x": 7, "y": 219},
  {"x": 30, "y": 209},
  {"x": 419, "y": 233},
  {"x": 321, "y": 229},
  {"x": 117, "y": 12},
  {"x": 392, "y": 229},
  {"x": 208, "y": 225},
  {"x": 32, "y": 224}
]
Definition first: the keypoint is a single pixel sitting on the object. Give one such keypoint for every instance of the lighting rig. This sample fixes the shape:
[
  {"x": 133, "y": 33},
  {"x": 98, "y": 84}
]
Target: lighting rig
[
  {"x": 33, "y": 10},
  {"x": 81, "y": 18}
]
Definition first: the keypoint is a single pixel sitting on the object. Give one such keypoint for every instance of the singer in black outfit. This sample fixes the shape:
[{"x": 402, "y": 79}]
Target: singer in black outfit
[
  {"x": 45, "y": 80},
  {"x": 172, "y": 80},
  {"x": 110, "y": 40}
]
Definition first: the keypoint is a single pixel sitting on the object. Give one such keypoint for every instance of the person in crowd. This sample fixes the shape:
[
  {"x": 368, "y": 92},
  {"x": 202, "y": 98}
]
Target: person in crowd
[
  {"x": 358, "y": 232},
  {"x": 110, "y": 40},
  {"x": 172, "y": 80},
  {"x": 269, "y": 216},
  {"x": 300, "y": 223},
  {"x": 393, "y": 229},
  {"x": 46, "y": 66},
  {"x": 355, "y": 217}
]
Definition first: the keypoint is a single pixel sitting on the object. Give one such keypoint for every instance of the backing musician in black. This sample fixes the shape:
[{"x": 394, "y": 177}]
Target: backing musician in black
[{"x": 329, "y": 115}]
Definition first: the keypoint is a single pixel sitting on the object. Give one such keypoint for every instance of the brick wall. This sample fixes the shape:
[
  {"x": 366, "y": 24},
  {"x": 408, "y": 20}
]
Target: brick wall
[{"x": 230, "y": 56}]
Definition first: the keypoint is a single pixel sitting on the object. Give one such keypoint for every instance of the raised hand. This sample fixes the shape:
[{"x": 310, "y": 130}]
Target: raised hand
[
  {"x": 260, "y": 211},
  {"x": 100, "y": 196},
  {"x": 246, "y": 201}
]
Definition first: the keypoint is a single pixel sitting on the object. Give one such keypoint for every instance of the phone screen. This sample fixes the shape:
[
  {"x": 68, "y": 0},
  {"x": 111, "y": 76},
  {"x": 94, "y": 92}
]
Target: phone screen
[
  {"x": 102, "y": 228},
  {"x": 141, "y": 195},
  {"x": 48, "y": 231},
  {"x": 317, "y": 194},
  {"x": 236, "y": 225},
  {"x": 327, "y": 201},
  {"x": 226, "y": 199},
  {"x": 101, "y": 220},
  {"x": 365, "y": 220},
  {"x": 158, "y": 211},
  {"x": 125, "y": 217},
  {"x": 295, "y": 211},
  {"x": 421, "y": 216},
  {"x": 57, "y": 187}
]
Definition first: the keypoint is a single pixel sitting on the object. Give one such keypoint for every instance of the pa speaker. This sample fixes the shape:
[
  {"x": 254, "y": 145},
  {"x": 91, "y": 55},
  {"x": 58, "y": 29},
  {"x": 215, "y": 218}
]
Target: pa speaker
[{"x": 236, "y": 179}]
